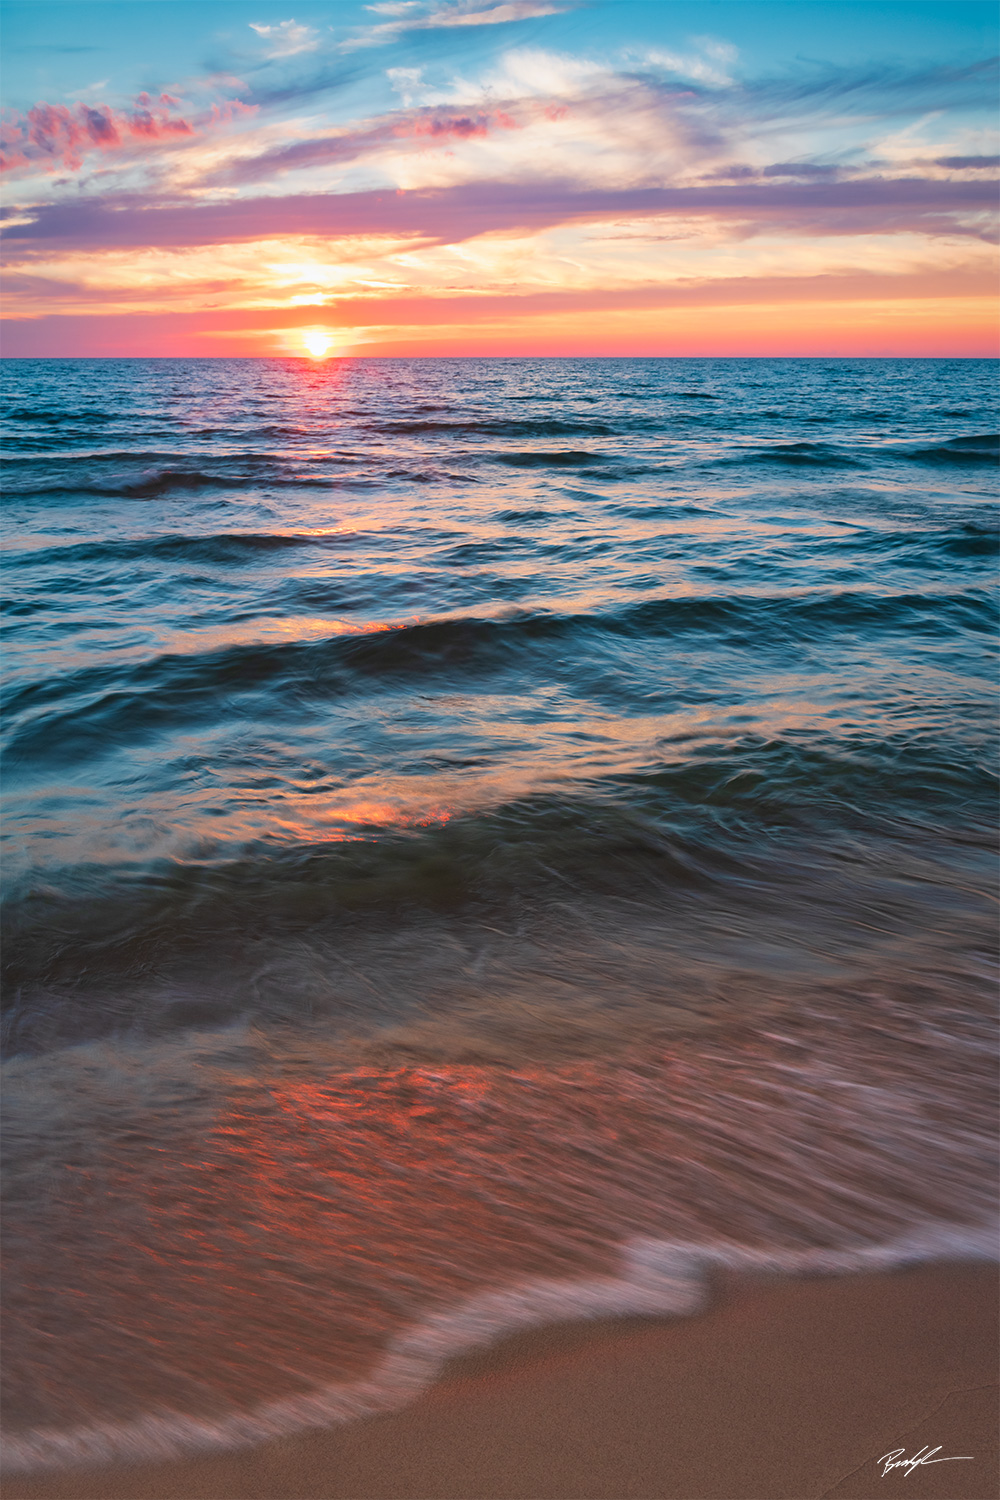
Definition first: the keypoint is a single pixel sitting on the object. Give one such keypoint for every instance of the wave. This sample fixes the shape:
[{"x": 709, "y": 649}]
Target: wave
[
  {"x": 175, "y": 458},
  {"x": 135, "y": 475},
  {"x": 425, "y": 476},
  {"x": 269, "y": 430},
  {"x": 971, "y": 539},
  {"x": 102, "y": 455},
  {"x": 722, "y": 823},
  {"x": 154, "y": 482},
  {"x": 655, "y": 1278},
  {"x": 807, "y": 455},
  {"x": 524, "y": 515},
  {"x": 980, "y": 449},
  {"x": 497, "y": 428},
  {"x": 809, "y": 616},
  {"x": 567, "y": 458},
  {"x": 221, "y": 547},
  {"x": 122, "y": 924},
  {"x": 471, "y": 643},
  {"x": 59, "y": 416},
  {"x": 129, "y": 704}
]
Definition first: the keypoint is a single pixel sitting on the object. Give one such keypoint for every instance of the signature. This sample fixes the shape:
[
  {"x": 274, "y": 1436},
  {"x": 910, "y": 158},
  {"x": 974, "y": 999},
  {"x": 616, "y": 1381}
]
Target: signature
[{"x": 894, "y": 1460}]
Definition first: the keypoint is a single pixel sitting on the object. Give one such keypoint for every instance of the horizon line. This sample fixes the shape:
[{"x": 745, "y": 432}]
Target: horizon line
[{"x": 306, "y": 359}]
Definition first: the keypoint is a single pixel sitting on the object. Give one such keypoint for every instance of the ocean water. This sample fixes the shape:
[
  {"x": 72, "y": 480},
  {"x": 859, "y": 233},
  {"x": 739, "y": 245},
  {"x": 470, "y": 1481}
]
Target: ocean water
[{"x": 486, "y": 842}]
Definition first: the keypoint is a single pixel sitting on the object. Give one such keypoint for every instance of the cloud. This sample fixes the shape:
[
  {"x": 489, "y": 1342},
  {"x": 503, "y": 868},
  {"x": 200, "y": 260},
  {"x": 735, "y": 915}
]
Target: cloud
[
  {"x": 624, "y": 125},
  {"x": 968, "y": 163},
  {"x": 582, "y": 119},
  {"x": 532, "y": 72},
  {"x": 451, "y": 215},
  {"x": 287, "y": 38},
  {"x": 800, "y": 169},
  {"x": 722, "y": 51},
  {"x": 406, "y": 82},
  {"x": 709, "y": 67},
  {"x": 465, "y": 13},
  {"x": 92, "y": 88},
  {"x": 887, "y": 89},
  {"x": 413, "y": 129},
  {"x": 54, "y": 135},
  {"x": 490, "y": 15}
]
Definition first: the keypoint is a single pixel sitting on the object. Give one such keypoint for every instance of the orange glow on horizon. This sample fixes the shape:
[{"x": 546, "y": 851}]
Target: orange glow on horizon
[{"x": 912, "y": 326}]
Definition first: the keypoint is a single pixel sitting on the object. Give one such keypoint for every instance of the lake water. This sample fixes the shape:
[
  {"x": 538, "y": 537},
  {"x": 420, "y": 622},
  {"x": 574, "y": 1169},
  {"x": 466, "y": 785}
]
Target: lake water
[{"x": 485, "y": 842}]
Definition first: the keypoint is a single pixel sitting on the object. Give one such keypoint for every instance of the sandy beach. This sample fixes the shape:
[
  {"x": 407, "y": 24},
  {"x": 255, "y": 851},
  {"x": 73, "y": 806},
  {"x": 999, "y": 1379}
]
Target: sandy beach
[{"x": 780, "y": 1391}]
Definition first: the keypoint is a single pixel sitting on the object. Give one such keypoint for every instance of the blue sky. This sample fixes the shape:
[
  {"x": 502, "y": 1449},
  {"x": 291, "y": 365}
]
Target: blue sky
[{"x": 65, "y": 49}]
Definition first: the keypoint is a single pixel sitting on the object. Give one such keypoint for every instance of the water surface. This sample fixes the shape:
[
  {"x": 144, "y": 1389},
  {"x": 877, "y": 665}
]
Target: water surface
[{"x": 472, "y": 827}]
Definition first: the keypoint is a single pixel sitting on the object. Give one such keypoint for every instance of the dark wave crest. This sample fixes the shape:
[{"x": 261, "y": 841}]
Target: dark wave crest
[
  {"x": 980, "y": 449},
  {"x": 59, "y": 416},
  {"x": 95, "y": 712},
  {"x": 569, "y": 458},
  {"x": 805, "y": 455},
  {"x": 234, "y": 547},
  {"x": 154, "y": 482}
]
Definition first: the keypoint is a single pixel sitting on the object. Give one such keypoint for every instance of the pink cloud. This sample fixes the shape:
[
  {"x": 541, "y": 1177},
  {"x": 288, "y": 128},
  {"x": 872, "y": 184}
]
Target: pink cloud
[
  {"x": 461, "y": 128},
  {"x": 57, "y": 135}
]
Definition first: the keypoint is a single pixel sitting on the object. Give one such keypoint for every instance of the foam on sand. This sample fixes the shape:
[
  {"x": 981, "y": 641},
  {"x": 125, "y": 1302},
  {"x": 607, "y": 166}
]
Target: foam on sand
[{"x": 658, "y": 1278}]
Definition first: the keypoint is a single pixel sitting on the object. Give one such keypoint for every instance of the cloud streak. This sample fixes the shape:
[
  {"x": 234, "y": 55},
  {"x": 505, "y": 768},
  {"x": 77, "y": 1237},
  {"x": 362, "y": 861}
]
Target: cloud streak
[
  {"x": 459, "y": 213},
  {"x": 287, "y": 38},
  {"x": 416, "y": 17},
  {"x": 416, "y": 128}
]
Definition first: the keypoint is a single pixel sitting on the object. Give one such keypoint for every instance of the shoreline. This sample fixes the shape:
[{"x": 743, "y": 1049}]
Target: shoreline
[{"x": 782, "y": 1389}]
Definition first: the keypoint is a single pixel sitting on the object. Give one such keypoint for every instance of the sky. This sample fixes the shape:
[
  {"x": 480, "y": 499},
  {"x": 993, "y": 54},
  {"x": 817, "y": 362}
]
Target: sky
[{"x": 500, "y": 177}]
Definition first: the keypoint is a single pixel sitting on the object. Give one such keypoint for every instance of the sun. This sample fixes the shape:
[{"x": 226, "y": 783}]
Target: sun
[{"x": 316, "y": 344}]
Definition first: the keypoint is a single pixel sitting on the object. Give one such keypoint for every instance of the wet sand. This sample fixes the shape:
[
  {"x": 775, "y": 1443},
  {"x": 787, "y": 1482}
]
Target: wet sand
[{"x": 782, "y": 1390}]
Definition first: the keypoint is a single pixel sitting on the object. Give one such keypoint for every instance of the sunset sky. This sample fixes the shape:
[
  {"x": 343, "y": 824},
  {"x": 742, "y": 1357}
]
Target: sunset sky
[{"x": 500, "y": 177}]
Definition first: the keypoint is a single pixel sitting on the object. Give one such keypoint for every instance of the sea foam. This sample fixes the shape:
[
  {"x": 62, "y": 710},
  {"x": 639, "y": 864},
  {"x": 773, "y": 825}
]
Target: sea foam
[{"x": 658, "y": 1278}]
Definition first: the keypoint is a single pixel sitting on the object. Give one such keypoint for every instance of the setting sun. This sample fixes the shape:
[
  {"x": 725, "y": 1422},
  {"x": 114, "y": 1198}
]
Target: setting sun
[{"x": 316, "y": 344}]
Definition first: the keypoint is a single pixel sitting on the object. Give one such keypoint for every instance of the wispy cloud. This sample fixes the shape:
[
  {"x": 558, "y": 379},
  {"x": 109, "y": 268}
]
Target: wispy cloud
[
  {"x": 417, "y": 17},
  {"x": 410, "y": 129},
  {"x": 92, "y": 90},
  {"x": 287, "y": 38},
  {"x": 884, "y": 89},
  {"x": 711, "y": 63}
]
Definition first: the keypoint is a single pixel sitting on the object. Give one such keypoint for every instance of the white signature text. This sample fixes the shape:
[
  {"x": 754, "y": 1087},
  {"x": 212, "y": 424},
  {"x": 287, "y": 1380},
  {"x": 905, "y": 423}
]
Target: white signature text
[{"x": 895, "y": 1460}]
